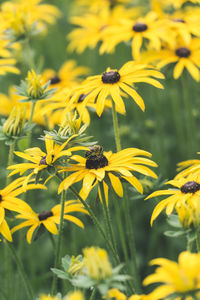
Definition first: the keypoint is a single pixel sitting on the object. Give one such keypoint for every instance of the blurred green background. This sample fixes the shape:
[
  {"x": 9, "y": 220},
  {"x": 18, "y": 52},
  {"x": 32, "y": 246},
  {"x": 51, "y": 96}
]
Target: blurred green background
[{"x": 154, "y": 131}]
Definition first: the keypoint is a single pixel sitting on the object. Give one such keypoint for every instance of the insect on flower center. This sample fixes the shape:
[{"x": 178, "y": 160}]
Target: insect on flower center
[
  {"x": 43, "y": 159},
  {"x": 45, "y": 215},
  {"x": 178, "y": 20},
  {"x": 110, "y": 77},
  {"x": 95, "y": 158},
  {"x": 55, "y": 80},
  {"x": 183, "y": 52},
  {"x": 140, "y": 27},
  {"x": 190, "y": 187}
]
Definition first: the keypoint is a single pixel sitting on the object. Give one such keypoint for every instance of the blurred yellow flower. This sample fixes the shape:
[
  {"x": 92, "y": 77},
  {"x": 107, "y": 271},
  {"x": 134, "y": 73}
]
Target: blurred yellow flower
[
  {"x": 97, "y": 263},
  {"x": 182, "y": 278},
  {"x": 188, "y": 167},
  {"x": 75, "y": 296},
  {"x": 35, "y": 89},
  {"x": 115, "y": 294}
]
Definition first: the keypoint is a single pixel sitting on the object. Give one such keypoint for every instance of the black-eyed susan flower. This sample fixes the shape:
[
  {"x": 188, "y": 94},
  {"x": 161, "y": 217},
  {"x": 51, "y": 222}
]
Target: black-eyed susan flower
[
  {"x": 115, "y": 294},
  {"x": 178, "y": 280},
  {"x": 98, "y": 166},
  {"x": 134, "y": 30},
  {"x": 184, "y": 191},
  {"x": 182, "y": 55},
  {"x": 92, "y": 27},
  {"x": 49, "y": 219},
  {"x": 9, "y": 201},
  {"x": 114, "y": 82},
  {"x": 39, "y": 160},
  {"x": 67, "y": 76}
]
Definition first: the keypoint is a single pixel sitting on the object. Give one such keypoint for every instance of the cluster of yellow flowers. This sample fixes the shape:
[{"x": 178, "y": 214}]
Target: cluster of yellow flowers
[{"x": 167, "y": 34}]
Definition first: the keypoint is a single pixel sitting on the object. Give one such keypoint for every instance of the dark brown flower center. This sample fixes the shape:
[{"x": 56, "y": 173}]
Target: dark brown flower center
[
  {"x": 190, "y": 187},
  {"x": 95, "y": 158},
  {"x": 140, "y": 27},
  {"x": 110, "y": 77},
  {"x": 45, "y": 215},
  {"x": 43, "y": 159},
  {"x": 1, "y": 198},
  {"x": 183, "y": 52},
  {"x": 55, "y": 80}
]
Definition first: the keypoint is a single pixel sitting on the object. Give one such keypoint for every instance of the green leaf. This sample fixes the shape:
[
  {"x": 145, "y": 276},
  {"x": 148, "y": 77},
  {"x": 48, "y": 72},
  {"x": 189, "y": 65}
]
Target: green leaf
[
  {"x": 174, "y": 233},
  {"x": 61, "y": 274},
  {"x": 66, "y": 261},
  {"x": 173, "y": 220},
  {"x": 22, "y": 144}
]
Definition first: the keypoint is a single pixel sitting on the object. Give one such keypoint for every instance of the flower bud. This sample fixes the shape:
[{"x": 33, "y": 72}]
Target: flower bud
[
  {"x": 35, "y": 89},
  {"x": 14, "y": 125}
]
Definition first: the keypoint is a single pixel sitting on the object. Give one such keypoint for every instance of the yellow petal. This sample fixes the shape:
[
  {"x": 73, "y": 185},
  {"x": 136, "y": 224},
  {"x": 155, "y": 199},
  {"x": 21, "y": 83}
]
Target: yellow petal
[{"x": 116, "y": 184}]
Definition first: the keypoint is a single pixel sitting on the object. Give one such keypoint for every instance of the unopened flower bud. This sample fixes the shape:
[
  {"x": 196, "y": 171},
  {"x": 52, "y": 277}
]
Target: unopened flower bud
[
  {"x": 35, "y": 89},
  {"x": 14, "y": 125}
]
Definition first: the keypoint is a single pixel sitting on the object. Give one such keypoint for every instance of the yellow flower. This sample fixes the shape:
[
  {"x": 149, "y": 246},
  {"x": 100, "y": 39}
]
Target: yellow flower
[
  {"x": 191, "y": 166},
  {"x": 47, "y": 297},
  {"x": 182, "y": 277},
  {"x": 7, "y": 62},
  {"x": 75, "y": 296},
  {"x": 184, "y": 191},
  {"x": 113, "y": 82},
  {"x": 35, "y": 89},
  {"x": 9, "y": 201},
  {"x": 14, "y": 125},
  {"x": 183, "y": 55},
  {"x": 92, "y": 27},
  {"x": 99, "y": 165},
  {"x": 27, "y": 17},
  {"x": 115, "y": 294},
  {"x": 96, "y": 5},
  {"x": 40, "y": 160},
  {"x": 67, "y": 76},
  {"x": 97, "y": 263},
  {"x": 137, "y": 30},
  {"x": 48, "y": 218}
]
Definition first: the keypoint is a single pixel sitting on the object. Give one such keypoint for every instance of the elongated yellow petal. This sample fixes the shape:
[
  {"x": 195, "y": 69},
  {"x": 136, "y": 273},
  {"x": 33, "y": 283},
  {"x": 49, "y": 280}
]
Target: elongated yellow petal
[
  {"x": 50, "y": 226},
  {"x": 30, "y": 233},
  {"x": 116, "y": 184}
]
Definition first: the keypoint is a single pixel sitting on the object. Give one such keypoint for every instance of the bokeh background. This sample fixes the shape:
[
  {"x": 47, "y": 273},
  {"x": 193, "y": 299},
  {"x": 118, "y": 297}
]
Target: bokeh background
[{"x": 154, "y": 131}]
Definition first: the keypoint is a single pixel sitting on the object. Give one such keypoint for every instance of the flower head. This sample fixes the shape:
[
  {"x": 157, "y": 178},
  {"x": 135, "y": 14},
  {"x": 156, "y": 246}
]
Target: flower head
[
  {"x": 114, "y": 82},
  {"x": 184, "y": 191},
  {"x": 182, "y": 278},
  {"x": 75, "y": 296},
  {"x": 49, "y": 219},
  {"x": 35, "y": 89},
  {"x": 109, "y": 168}
]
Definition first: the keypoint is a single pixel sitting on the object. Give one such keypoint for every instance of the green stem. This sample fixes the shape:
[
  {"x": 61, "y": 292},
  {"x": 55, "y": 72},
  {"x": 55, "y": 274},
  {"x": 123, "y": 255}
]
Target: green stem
[
  {"x": 28, "y": 54},
  {"x": 59, "y": 241},
  {"x": 107, "y": 217},
  {"x": 189, "y": 120},
  {"x": 130, "y": 235},
  {"x": 22, "y": 273},
  {"x": 92, "y": 297},
  {"x": 96, "y": 223},
  {"x": 116, "y": 127},
  {"x": 30, "y": 121},
  {"x": 122, "y": 238},
  {"x": 198, "y": 240},
  {"x": 189, "y": 243},
  {"x": 7, "y": 256}
]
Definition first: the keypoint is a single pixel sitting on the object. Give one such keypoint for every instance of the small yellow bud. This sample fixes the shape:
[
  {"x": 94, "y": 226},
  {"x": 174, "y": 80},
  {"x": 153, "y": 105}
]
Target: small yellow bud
[
  {"x": 70, "y": 125},
  {"x": 14, "y": 125},
  {"x": 97, "y": 263},
  {"x": 35, "y": 89},
  {"x": 76, "y": 265}
]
